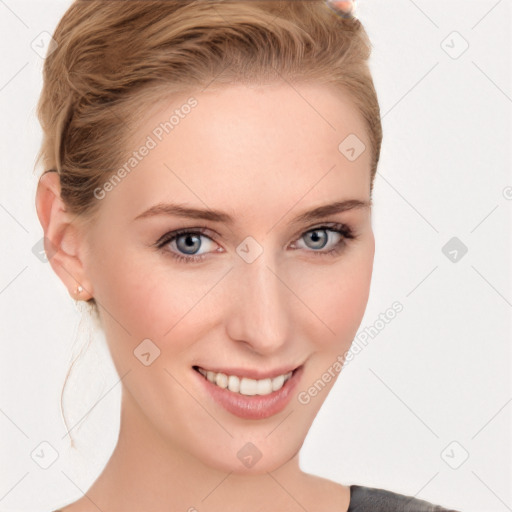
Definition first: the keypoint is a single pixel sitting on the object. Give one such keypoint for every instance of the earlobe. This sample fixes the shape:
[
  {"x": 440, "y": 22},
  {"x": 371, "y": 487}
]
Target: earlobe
[{"x": 62, "y": 240}]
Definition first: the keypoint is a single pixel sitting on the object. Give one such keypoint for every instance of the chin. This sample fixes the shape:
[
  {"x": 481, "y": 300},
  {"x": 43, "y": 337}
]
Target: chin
[{"x": 248, "y": 455}]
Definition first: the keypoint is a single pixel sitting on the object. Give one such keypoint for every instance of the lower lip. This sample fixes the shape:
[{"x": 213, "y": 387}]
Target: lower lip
[{"x": 254, "y": 407}]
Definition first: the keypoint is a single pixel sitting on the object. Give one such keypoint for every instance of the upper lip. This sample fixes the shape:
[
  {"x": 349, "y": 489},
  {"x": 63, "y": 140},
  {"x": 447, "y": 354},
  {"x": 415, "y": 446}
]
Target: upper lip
[{"x": 251, "y": 373}]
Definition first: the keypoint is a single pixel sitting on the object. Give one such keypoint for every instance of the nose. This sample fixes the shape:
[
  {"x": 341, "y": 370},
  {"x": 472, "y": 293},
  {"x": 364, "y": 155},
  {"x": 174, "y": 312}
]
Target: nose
[{"x": 259, "y": 312}]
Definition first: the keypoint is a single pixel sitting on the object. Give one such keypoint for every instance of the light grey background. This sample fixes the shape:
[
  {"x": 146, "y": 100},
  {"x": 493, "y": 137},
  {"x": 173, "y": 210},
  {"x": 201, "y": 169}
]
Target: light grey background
[{"x": 428, "y": 389}]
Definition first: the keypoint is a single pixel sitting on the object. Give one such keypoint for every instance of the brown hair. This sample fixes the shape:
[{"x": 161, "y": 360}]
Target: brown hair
[{"x": 116, "y": 58}]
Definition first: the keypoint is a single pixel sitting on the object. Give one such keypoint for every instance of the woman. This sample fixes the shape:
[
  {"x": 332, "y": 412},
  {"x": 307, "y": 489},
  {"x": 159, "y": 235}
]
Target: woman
[{"x": 208, "y": 193}]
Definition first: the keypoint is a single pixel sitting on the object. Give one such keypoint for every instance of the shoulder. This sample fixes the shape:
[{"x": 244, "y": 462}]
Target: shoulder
[{"x": 372, "y": 499}]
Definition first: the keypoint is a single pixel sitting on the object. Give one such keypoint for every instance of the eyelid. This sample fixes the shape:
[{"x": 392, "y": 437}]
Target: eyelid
[
  {"x": 169, "y": 235},
  {"x": 324, "y": 225},
  {"x": 343, "y": 229},
  {"x": 204, "y": 231},
  {"x": 340, "y": 228}
]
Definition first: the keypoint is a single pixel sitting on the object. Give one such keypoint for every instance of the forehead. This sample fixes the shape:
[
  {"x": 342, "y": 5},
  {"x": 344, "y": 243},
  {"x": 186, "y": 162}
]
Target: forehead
[{"x": 237, "y": 145}]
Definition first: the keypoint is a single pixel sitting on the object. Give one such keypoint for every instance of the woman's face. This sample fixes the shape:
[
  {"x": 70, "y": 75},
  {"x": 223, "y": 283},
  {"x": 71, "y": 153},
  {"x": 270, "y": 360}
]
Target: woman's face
[{"x": 271, "y": 291}]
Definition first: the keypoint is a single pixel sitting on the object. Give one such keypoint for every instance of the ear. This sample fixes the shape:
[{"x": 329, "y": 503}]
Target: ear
[{"x": 63, "y": 240}]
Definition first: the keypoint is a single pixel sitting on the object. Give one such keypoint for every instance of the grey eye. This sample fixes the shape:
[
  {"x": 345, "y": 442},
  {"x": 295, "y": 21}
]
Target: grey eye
[
  {"x": 191, "y": 244},
  {"x": 318, "y": 238}
]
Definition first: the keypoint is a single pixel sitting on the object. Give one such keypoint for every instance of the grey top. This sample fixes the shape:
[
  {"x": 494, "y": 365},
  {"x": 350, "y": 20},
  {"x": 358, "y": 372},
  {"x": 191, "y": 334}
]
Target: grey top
[{"x": 372, "y": 499}]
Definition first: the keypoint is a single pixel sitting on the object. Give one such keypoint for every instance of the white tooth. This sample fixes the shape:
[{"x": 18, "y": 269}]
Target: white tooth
[
  {"x": 277, "y": 382},
  {"x": 248, "y": 386},
  {"x": 222, "y": 380},
  {"x": 234, "y": 383},
  {"x": 264, "y": 386}
]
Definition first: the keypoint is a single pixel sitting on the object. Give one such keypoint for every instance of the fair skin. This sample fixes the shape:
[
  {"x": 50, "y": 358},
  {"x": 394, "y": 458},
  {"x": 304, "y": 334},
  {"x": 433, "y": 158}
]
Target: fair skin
[{"x": 264, "y": 155}]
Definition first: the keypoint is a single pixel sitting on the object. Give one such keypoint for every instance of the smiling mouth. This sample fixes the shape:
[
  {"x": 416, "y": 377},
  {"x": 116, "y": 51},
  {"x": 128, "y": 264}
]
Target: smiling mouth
[{"x": 243, "y": 385}]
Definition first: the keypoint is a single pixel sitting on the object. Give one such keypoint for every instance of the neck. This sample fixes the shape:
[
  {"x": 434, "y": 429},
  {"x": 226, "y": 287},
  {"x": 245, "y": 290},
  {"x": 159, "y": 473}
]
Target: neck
[{"x": 148, "y": 472}]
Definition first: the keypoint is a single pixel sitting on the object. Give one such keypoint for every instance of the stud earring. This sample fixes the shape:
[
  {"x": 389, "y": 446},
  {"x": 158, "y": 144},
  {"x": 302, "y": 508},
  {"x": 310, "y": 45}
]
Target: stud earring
[{"x": 79, "y": 290}]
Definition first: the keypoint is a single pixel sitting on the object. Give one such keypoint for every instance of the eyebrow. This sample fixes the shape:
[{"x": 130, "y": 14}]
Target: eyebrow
[{"x": 218, "y": 216}]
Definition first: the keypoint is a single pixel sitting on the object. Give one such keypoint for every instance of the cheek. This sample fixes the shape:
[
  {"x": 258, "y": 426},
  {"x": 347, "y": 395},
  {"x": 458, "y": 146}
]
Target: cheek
[
  {"x": 338, "y": 295},
  {"x": 123, "y": 287},
  {"x": 149, "y": 297}
]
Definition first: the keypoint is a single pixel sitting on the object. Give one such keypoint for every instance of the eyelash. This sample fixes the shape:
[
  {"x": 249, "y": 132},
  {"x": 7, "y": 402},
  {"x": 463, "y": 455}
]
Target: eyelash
[{"x": 342, "y": 229}]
